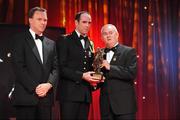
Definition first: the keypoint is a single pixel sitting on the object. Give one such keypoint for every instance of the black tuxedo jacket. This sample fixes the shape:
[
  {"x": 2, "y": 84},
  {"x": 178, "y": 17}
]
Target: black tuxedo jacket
[
  {"x": 73, "y": 61},
  {"x": 30, "y": 71},
  {"x": 118, "y": 88}
]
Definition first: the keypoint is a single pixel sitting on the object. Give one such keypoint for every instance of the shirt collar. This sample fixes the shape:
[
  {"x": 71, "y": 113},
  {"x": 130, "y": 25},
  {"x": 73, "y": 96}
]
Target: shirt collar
[
  {"x": 33, "y": 33},
  {"x": 115, "y": 44},
  {"x": 78, "y": 34}
]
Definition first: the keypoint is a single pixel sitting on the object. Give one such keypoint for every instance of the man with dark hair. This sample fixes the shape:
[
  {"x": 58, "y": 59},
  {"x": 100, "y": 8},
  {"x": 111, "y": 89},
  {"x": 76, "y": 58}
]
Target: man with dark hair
[
  {"x": 34, "y": 62},
  {"x": 78, "y": 15},
  {"x": 33, "y": 10},
  {"x": 75, "y": 54}
]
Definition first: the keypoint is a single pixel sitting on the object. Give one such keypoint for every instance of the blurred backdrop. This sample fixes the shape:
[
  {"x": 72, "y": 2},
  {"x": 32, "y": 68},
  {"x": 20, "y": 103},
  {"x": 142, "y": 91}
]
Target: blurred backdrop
[{"x": 150, "y": 26}]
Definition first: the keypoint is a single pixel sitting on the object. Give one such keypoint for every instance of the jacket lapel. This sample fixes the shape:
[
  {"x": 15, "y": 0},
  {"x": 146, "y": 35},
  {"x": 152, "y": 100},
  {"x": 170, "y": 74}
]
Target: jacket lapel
[
  {"x": 45, "y": 50},
  {"x": 117, "y": 53},
  {"x": 33, "y": 46},
  {"x": 76, "y": 39}
]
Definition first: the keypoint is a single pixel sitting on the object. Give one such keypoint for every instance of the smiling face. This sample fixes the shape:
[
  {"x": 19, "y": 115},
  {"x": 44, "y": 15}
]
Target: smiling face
[
  {"x": 38, "y": 22},
  {"x": 109, "y": 35},
  {"x": 84, "y": 23}
]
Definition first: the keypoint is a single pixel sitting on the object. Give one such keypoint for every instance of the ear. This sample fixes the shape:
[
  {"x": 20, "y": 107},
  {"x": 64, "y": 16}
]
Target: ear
[
  {"x": 117, "y": 35},
  {"x": 76, "y": 22},
  {"x": 30, "y": 20}
]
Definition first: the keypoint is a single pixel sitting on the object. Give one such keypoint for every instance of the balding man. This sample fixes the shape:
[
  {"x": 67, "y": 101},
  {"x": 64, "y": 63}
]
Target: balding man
[{"x": 117, "y": 97}]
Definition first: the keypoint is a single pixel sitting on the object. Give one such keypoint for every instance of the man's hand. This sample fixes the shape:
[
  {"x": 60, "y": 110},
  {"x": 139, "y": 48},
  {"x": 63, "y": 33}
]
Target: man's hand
[
  {"x": 42, "y": 89},
  {"x": 106, "y": 64},
  {"x": 87, "y": 76}
]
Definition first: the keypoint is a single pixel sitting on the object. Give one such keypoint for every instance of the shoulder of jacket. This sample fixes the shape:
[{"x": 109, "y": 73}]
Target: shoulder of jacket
[
  {"x": 67, "y": 36},
  {"x": 49, "y": 40},
  {"x": 126, "y": 47}
]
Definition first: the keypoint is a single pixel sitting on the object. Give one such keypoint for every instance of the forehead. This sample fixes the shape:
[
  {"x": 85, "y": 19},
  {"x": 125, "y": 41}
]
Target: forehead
[
  {"x": 108, "y": 28},
  {"x": 85, "y": 17},
  {"x": 39, "y": 14}
]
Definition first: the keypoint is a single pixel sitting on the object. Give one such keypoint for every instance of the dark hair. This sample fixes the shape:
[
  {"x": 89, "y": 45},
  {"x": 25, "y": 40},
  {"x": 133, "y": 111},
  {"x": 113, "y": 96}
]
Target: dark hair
[
  {"x": 34, "y": 9},
  {"x": 78, "y": 15}
]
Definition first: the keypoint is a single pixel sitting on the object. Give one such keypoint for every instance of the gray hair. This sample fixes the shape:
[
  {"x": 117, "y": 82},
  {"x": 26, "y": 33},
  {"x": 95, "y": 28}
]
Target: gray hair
[{"x": 107, "y": 25}]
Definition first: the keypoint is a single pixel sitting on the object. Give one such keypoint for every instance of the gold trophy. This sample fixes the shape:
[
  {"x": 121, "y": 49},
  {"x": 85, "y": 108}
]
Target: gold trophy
[{"x": 97, "y": 64}]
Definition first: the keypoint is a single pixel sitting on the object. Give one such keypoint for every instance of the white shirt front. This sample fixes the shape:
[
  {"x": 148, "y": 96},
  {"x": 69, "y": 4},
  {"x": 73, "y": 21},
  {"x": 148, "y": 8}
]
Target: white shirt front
[
  {"x": 38, "y": 44},
  {"x": 109, "y": 56},
  {"x": 82, "y": 40}
]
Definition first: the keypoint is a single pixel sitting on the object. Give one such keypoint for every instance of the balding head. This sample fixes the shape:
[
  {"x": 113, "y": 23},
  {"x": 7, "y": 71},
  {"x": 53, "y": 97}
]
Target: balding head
[
  {"x": 109, "y": 35},
  {"x": 110, "y": 26}
]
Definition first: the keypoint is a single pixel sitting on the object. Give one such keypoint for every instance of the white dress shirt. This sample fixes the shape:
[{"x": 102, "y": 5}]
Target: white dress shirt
[{"x": 109, "y": 55}]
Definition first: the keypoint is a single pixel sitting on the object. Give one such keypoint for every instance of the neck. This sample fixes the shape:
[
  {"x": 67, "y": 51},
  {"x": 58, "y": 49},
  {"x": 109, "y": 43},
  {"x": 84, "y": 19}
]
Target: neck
[
  {"x": 36, "y": 32},
  {"x": 77, "y": 31},
  {"x": 111, "y": 46}
]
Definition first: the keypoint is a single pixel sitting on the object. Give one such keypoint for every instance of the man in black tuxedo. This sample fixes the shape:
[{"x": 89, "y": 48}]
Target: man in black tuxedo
[
  {"x": 117, "y": 96},
  {"x": 35, "y": 65},
  {"x": 75, "y": 53}
]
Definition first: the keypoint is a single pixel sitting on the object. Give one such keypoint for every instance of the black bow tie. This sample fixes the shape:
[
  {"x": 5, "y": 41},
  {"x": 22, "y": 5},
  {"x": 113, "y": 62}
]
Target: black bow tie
[
  {"x": 86, "y": 40},
  {"x": 82, "y": 37},
  {"x": 110, "y": 49},
  {"x": 39, "y": 37}
]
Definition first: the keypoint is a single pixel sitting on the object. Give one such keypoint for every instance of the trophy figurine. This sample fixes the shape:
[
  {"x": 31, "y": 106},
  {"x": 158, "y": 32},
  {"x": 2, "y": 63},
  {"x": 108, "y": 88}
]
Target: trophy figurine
[{"x": 97, "y": 64}]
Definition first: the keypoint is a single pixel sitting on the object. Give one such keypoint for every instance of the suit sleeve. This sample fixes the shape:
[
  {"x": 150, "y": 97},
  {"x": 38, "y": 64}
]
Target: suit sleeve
[
  {"x": 19, "y": 64},
  {"x": 127, "y": 71},
  {"x": 54, "y": 69},
  {"x": 66, "y": 72}
]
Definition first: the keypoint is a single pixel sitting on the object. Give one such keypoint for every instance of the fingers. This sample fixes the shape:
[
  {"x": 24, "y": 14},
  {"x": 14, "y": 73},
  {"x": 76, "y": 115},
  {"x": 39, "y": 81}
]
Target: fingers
[
  {"x": 90, "y": 72},
  {"x": 41, "y": 94},
  {"x": 106, "y": 64},
  {"x": 87, "y": 76},
  {"x": 42, "y": 89},
  {"x": 92, "y": 79}
]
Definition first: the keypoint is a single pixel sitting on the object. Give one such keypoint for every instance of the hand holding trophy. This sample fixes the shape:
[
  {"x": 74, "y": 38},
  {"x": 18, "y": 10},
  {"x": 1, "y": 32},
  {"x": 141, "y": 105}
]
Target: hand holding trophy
[{"x": 97, "y": 65}]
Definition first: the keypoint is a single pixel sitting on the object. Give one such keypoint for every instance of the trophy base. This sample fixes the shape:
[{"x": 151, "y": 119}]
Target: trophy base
[{"x": 98, "y": 76}]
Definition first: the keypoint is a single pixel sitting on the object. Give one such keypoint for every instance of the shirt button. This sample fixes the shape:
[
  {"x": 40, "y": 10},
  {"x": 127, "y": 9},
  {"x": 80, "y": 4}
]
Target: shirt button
[
  {"x": 84, "y": 62},
  {"x": 84, "y": 68},
  {"x": 85, "y": 56}
]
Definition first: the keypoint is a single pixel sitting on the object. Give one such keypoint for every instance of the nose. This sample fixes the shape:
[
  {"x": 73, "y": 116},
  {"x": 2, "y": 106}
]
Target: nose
[
  {"x": 44, "y": 21},
  {"x": 87, "y": 25},
  {"x": 108, "y": 35}
]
